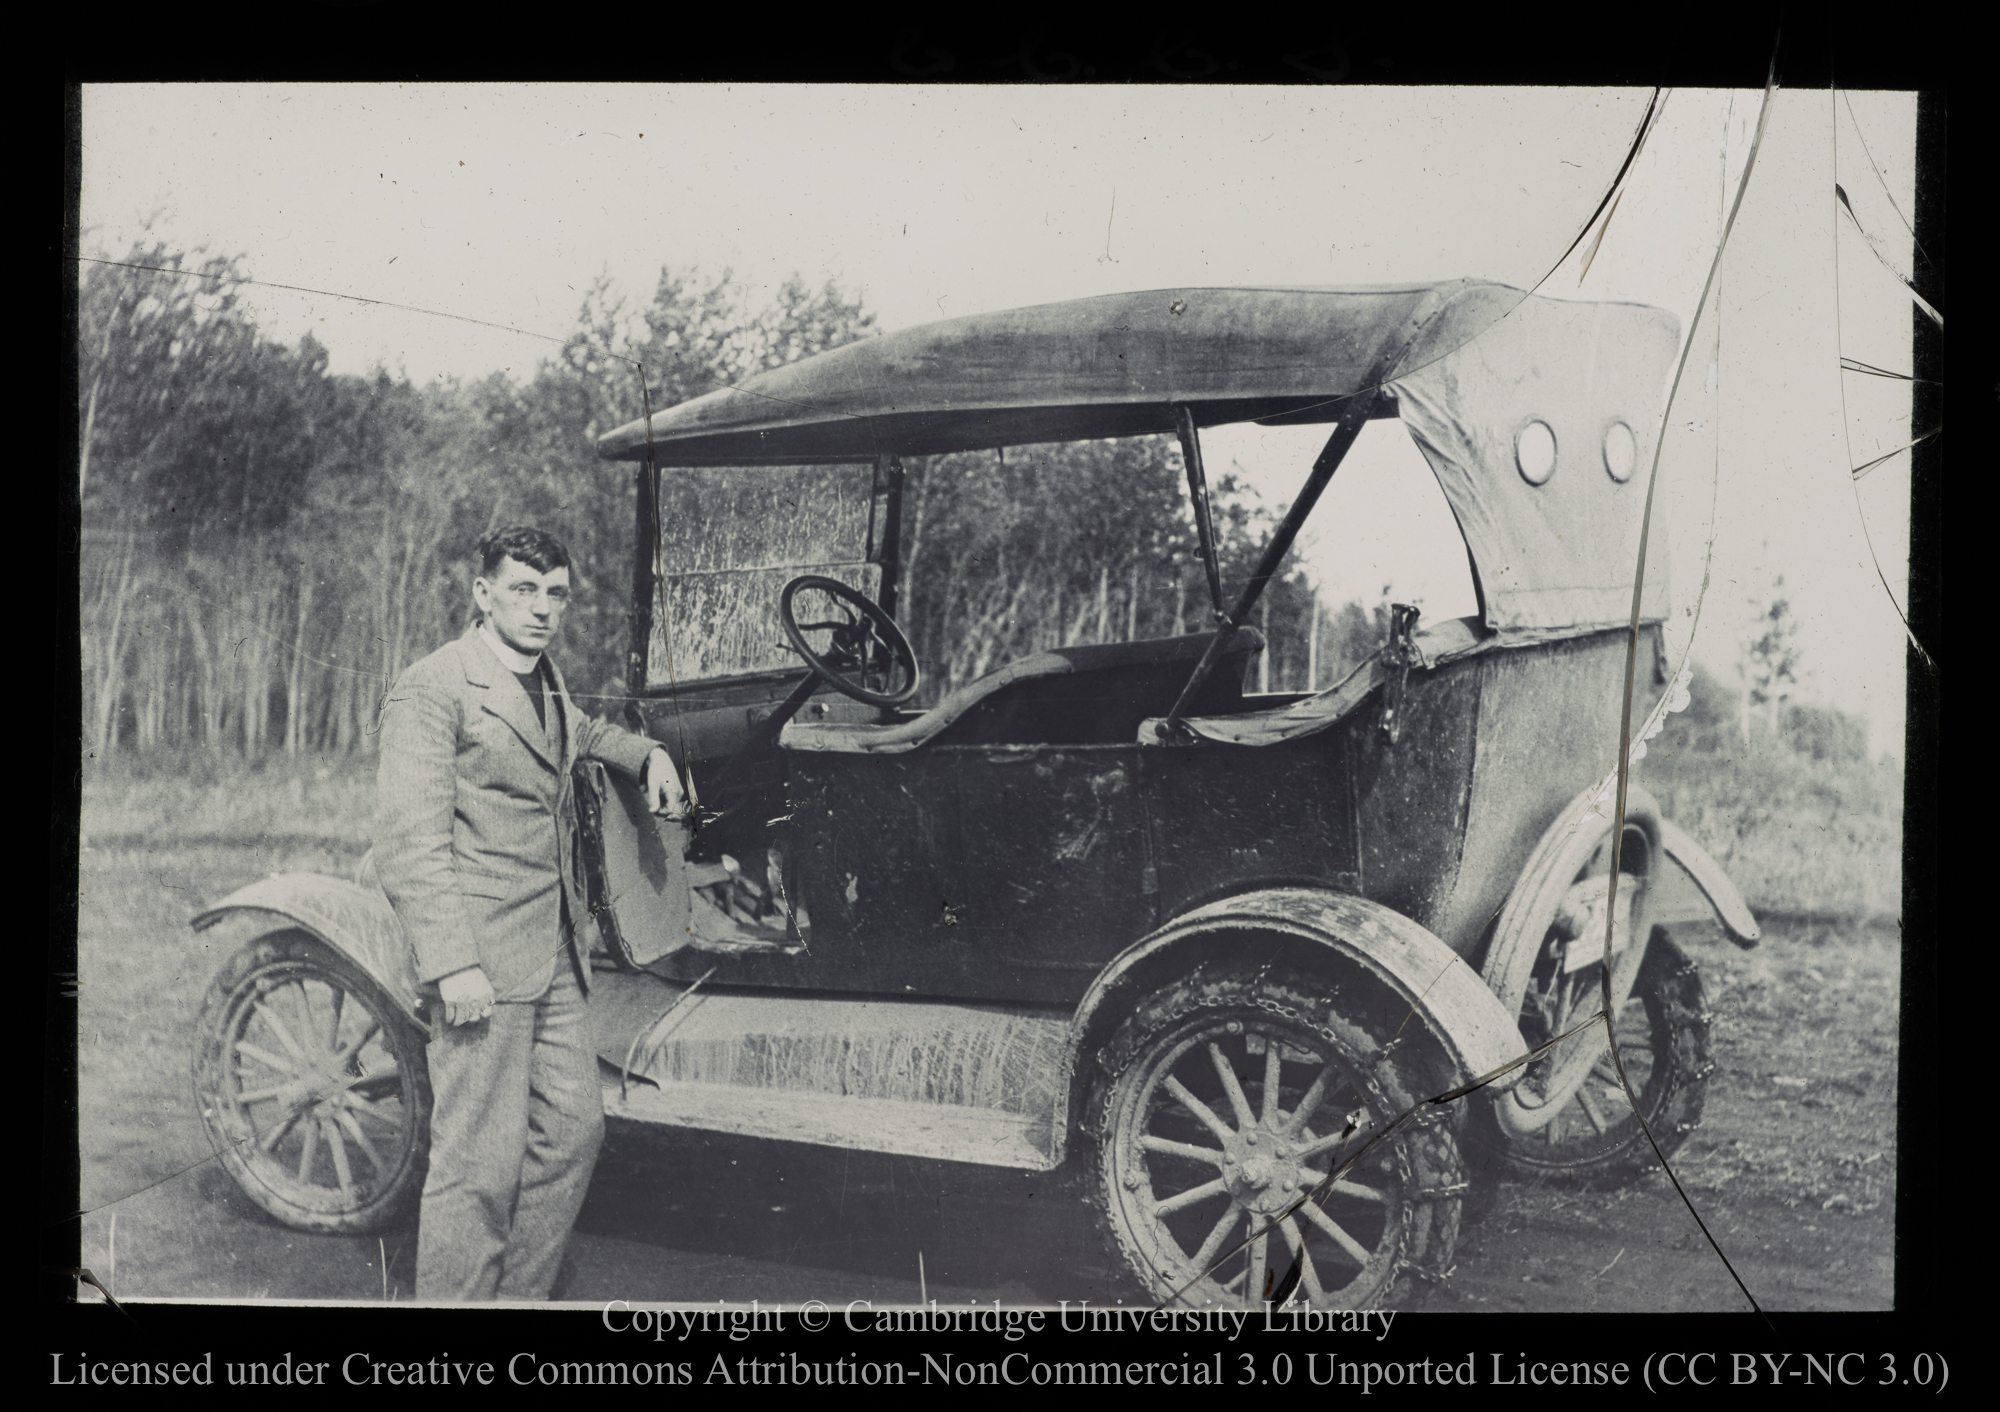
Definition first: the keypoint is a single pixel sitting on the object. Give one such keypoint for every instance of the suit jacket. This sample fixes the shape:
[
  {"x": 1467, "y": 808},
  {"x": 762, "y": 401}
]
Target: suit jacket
[{"x": 476, "y": 836}]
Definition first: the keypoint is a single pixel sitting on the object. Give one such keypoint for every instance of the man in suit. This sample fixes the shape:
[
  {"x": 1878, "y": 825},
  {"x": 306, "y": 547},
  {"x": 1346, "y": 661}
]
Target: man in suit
[{"x": 476, "y": 846}]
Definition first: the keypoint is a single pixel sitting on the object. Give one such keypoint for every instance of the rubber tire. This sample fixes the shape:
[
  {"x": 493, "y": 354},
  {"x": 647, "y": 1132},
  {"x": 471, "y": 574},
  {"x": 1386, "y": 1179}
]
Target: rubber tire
[
  {"x": 1671, "y": 1096},
  {"x": 298, "y": 953},
  {"x": 1427, "y": 1147}
]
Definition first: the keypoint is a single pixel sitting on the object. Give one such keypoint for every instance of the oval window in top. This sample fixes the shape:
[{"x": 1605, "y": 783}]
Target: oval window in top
[
  {"x": 1535, "y": 452},
  {"x": 1621, "y": 451}
]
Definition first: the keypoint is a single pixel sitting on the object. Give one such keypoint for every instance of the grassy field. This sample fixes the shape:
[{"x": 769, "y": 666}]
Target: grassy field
[
  {"x": 329, "y": 800},
  {"x": 1802, "y": 834},
  {"x": 1794, "y": 1163}
]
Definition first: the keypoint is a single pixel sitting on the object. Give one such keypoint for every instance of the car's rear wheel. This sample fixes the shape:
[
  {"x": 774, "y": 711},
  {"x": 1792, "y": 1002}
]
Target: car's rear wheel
[
  {"x": 312, "y": 1086},
  {"x": 1568, "y": 1118},
  {"x": 1592, "y": 1136},
  {"x": 1227, "y": 1097}
]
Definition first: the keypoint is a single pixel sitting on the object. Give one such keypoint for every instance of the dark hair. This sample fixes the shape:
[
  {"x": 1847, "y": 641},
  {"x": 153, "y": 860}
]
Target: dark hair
[{"x": 539, "y": 551}]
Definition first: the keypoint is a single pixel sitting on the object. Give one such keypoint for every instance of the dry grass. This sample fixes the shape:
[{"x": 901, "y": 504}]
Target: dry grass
[{"x": 217, "y": 798}]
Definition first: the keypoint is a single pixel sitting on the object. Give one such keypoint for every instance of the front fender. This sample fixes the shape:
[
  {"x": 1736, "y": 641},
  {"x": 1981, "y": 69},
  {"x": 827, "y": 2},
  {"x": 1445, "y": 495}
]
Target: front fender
[
  {"x": 1444, "y": 992},
  {"x": 1707, "y": 874},
  {"x": 355, "y": 921}
]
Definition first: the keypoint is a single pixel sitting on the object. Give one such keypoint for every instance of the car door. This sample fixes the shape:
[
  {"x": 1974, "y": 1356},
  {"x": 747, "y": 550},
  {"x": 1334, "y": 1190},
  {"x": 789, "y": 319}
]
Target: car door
[{"x": 717, "y": 547}]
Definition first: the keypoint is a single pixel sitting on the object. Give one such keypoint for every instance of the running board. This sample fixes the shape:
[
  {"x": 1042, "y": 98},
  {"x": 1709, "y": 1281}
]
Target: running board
[
  {"x": 952, "y": 1081},
  {"x": 948, "y": 1132}
]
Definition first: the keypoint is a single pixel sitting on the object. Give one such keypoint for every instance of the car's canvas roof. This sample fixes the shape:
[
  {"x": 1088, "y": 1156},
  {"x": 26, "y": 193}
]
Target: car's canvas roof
[
  {"x": 1466, "y": 365},
  {"x": 1111, "y": 365}
]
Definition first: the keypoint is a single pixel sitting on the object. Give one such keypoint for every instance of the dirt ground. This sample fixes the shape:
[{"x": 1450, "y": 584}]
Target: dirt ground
[{"x": 1793, "y": 1166}]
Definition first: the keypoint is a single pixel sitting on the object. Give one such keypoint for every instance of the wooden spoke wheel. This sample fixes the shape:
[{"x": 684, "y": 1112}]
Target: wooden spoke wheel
[
  {"x": 1227, "y": 1100},
  {"x": 1589, "y": 1134},
  {"x": 312, "y": 1086},
  {"x": 1568, "y": 1118}
]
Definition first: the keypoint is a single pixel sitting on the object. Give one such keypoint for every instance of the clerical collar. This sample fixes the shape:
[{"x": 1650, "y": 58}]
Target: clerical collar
[{"x": 513, "y": 661}]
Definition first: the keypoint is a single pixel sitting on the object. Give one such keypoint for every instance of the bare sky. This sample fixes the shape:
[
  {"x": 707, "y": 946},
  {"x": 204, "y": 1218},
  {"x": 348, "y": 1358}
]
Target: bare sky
[{"x": 502, "y": 203}]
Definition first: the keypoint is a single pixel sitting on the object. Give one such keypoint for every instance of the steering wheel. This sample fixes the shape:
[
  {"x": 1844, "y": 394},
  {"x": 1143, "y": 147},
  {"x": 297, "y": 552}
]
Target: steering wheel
[{"x": 868, "y": 654}]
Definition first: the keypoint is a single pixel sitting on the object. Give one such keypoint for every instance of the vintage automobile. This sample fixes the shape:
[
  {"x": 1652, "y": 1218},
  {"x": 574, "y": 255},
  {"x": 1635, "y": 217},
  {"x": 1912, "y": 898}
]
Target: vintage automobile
[{"x": 1102, "y": 903}]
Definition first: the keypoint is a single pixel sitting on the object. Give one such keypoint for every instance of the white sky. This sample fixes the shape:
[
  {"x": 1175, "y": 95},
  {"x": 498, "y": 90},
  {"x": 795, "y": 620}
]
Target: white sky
[{"x": 502, "y": 203}]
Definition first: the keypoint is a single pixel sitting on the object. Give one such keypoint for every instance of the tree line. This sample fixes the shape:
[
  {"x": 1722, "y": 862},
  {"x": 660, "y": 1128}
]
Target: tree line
[{"x": 266, "y": 543}]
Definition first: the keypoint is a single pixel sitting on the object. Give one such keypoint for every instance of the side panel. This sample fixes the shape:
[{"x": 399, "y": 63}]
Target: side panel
[
  {"x": 878, "y": 856},
  {"x": 1548, "y": 727},
  {"x": 1222, "y": 817},
  {"x": 974, "y": 872},
  {"x": 1017, "y": 873},
  {"x": 1412, "y": 797},
  {"x": 1056, "y": 855}
]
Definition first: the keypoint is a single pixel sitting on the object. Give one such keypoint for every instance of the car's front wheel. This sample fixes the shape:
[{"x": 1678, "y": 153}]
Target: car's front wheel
[
  {"x": 312, "y": 1086},
  {"x": 1227, "y": 1098}
]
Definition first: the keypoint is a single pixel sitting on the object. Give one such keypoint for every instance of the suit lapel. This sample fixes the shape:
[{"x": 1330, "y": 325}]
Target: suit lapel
[{"x": 503, "y": 696}]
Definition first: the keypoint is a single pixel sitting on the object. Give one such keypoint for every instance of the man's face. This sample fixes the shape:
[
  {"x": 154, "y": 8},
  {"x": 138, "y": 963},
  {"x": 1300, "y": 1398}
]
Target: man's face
[{"x": 524, "y": 608}]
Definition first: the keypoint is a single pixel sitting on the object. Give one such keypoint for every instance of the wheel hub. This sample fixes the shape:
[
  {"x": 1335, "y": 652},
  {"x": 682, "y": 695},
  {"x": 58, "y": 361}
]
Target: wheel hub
[{"x": 1260, "y": 1171}]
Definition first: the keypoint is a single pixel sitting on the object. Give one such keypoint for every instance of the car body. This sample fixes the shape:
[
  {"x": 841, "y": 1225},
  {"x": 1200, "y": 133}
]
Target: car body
[{"x": 1105, "y": 903}]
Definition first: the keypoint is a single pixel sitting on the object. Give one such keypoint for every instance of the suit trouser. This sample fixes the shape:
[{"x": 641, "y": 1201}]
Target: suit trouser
[{"x": 516, "y": 1122}]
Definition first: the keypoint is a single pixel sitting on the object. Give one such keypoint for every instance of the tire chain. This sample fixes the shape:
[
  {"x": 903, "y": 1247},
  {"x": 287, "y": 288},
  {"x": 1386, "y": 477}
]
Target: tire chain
[
  {"x": 1194, "y": 1005},
  {"x": 1700, "y": 1021},
  {"x": 1197, "y": 1002}
]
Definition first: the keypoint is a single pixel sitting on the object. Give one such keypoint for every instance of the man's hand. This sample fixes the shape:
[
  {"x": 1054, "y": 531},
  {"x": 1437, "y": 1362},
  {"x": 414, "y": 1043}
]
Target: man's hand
[
  {"x": 467, "y": 996},
  {"x": 663, "y": 786}
]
